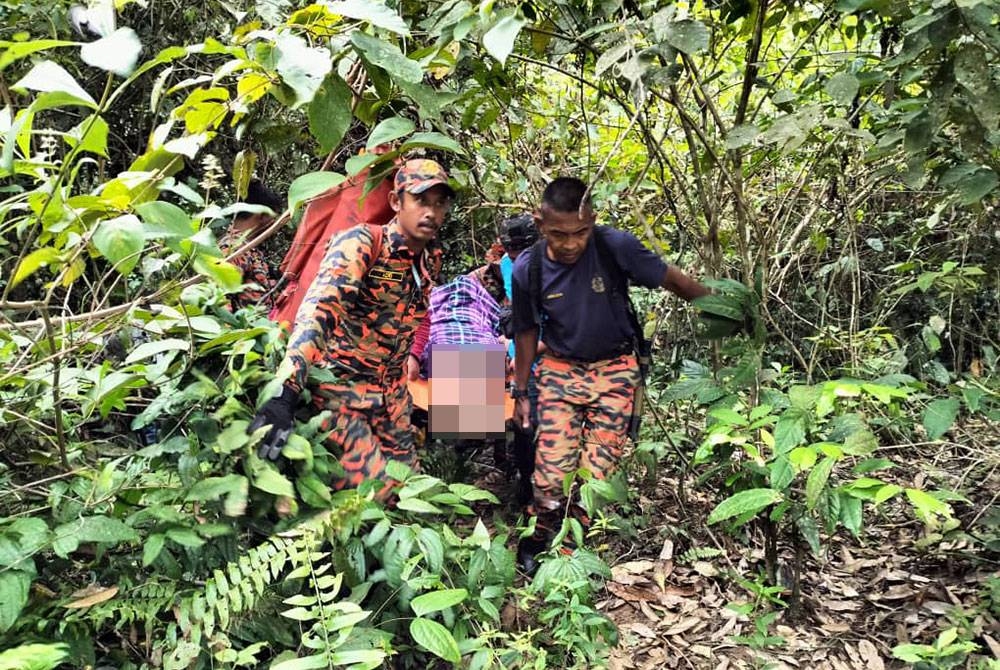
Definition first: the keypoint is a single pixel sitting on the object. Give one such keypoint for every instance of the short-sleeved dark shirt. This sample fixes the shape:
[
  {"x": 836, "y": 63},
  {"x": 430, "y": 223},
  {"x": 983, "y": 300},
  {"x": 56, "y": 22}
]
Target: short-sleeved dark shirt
[{"x": 581, "y": 321}]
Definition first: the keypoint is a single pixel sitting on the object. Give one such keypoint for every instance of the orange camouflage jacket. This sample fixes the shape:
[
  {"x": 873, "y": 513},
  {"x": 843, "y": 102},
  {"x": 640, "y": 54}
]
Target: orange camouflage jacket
[{"x": 356, "y": 322}]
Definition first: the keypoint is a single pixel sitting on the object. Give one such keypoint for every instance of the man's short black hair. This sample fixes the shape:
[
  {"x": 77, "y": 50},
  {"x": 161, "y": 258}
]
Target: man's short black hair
[
  {"x": 517, "y": 233},
  {"x": 564, "y": 194},
  {"x": 258, "y": 194}
]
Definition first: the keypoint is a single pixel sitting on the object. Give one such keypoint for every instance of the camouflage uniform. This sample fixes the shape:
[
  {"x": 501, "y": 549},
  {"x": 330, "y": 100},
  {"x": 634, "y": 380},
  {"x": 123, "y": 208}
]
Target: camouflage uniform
[
  {"x": 357, "y": 322},
  {"x": 258, "y": 275}
]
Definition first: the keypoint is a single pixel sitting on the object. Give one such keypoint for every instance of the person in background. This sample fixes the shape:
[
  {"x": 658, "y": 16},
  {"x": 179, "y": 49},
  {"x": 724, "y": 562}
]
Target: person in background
[{"x": 259, "y": 276}]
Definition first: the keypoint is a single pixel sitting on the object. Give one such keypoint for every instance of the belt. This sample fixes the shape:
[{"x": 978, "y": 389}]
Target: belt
[{"x": 620, "y": 350}]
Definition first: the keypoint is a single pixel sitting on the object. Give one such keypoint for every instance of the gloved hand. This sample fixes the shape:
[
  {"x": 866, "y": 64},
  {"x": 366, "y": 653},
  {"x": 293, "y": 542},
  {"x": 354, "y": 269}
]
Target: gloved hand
[{"x": 276, "y": 413}]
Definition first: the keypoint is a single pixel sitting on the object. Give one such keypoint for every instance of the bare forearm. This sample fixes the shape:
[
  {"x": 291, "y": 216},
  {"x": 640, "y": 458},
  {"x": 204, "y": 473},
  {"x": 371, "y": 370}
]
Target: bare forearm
[
  {"x": 525, "y": 350},
  {"x": 682, "y": 285}
]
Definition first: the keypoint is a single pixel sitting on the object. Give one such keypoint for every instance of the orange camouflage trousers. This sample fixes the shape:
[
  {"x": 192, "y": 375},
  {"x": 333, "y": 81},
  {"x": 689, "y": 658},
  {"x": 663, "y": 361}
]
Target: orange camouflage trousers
[
  {"x": 583, "y": 416},
  {"x": 370, "y": 426}
]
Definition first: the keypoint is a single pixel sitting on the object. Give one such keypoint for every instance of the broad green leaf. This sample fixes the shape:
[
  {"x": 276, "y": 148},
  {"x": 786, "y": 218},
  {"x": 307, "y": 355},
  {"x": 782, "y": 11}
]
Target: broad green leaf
[
  {"x": 164, "y": 220},
  {"x": 926, "y": 505},
  {"x": 120, "y": 240},
  {"x": 816, "y": 482},
  {"x": 850, "y": 514},
  {"x": 433, "y": 140},
  {"x": 842, "y": 87},
  {"x": 807, "y": 527},
  {"x": 860, "y": 443},
  {"x": 152, "y": 547},
  {"x": 740, "y": 136},
  {"x": 418, "y": 505},
  {"x": 802, "y": 458},
  {"x": 436, "y": 639},
  {"x": 304, "y": 663},
  {"x": 225, "y": 274},
  {"x": 437, "y": 601},
  {"x": 213, "y": 488},
  {"x": 886, "y": 492},
  {"x": 14, "y": 51},
  {"x": 90, "y": 135},
  {"x": 32, "y": 262},
  {"x": 976, "y": 186},
  {"x": 330, "y": 112},
  {"x": 388, "y": 57},
  {"x": 359, "y": 659},
  {"x": 686, "y": 35},
  {"x": 789, "y": 432},
  {"x": 267, "y": 478},
  {"x": 391, "y": 129},
  {"x": 939, "y": 415},
  {"x": 371, "y": 11},
  {"x": 312, "y": 184},
  {"x": 147, "y": 349},
  {"x": 14, "y": 588},
  {"x": 499, "y": 40},
  {"x": 98, "y": 529},
  {"x": 117, "y": 52},
  {"x": 781, "y": 473},
  {"x": 355, "y": 164},
  {"x": 48, "y": 77},
  {"x": 720, "y": 305},
  {"x": 744, "y": 503},
  {"x": 302, "y": 67}
]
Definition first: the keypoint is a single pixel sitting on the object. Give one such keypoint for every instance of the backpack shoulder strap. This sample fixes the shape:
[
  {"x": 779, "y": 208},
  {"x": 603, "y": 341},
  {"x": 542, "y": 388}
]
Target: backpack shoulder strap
[
  {"x": 537, "y": 250},
  {"x": 621, "y": 284},
  {"x": 376, "y": 231}
]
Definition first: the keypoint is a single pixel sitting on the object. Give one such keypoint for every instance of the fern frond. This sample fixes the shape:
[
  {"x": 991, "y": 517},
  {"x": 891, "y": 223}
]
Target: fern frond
[{"x": 698, "y": 554}]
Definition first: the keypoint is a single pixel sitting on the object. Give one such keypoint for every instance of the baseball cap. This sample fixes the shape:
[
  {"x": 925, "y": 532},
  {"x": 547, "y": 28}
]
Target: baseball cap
[
  {"x": 518, "y": 233},
  {"x": 419, "y": 174}
]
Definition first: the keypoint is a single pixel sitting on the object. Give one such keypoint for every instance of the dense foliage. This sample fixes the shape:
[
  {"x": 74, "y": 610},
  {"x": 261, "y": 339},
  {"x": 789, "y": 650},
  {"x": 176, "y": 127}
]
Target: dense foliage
[{"x": 832, "y": 167}]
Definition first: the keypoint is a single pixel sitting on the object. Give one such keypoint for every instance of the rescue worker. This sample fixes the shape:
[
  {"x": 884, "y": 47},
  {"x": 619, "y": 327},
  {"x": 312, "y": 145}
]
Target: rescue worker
[{"x": 259, "y": 277}]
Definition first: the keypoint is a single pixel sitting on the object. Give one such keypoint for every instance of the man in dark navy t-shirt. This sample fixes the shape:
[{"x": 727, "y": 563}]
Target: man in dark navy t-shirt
[{"x": 588, "y": 376}]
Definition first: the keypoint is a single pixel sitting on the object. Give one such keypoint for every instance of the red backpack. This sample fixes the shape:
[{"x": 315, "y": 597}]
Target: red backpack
[{"x": 342, "y": 207}]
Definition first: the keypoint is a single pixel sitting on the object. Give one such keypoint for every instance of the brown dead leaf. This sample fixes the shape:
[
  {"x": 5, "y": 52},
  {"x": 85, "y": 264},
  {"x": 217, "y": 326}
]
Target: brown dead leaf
[
  {"x": 508, "y": 616},
  {"x": 633, "y": 567},
  {"x": 869, "y": 654},
  {"x": 705, "y": 569},
  {"x": 702, "y": 650},
  {"x": 91, "y": 596},
  {"x": 667, "y": 550},
  {"x": 642, "y": 630},
  {"x": 842, "y": 605},
  {"x": 633, "y": 594},
  {"x": 993, "y": 645},
  {"x": 937, "y": 607},
  {"x": 685, "y": 624},
  {"x": 897, "y": 592}
]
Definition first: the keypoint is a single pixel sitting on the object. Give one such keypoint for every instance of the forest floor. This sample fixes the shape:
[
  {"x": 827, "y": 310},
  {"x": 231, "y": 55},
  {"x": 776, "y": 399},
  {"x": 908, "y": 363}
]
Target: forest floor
[{"x": 858, "y": 600}]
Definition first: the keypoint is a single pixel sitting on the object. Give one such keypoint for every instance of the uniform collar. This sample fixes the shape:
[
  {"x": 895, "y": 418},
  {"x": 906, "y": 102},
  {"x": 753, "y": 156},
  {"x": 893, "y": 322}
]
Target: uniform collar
[{"x": 396, "y": 242}]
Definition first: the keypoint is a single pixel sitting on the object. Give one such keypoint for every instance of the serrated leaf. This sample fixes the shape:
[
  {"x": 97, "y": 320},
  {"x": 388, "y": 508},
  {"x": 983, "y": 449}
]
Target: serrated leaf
[
  {"x": 117, "y": 52},
  {"x": 939, "y": 416},
  {"x": 745, "y": 503},
  {"x": 330, "y": 112},
  {"x": 437, "y": 601},
  {"x": 388, "y": 57},
  {"x": 499, "y": 40},
  {"x": 436, "y": 639},
  {"x": 388, "y": 130}
]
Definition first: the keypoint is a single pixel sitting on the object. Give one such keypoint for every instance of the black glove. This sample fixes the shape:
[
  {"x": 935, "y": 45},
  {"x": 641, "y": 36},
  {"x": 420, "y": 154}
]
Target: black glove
[{"x": 276, "y": 413}]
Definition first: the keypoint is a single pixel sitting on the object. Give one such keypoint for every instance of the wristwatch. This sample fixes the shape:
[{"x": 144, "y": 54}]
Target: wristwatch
[{"x": 517, "y": 393}]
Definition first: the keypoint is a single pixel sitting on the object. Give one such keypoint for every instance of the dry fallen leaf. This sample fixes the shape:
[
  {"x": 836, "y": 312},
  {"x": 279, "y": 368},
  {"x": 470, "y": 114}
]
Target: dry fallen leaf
[
  {"x": 633, "y": 594},
  {"x": 870, "y": 655},
  {"x": 91, "y": 596},
  {"x": 685, "y": 624},
  {"x": 705, "y": 569},
  {"x": 643, "y": 630},
  {"x": 667, "y": 551}
]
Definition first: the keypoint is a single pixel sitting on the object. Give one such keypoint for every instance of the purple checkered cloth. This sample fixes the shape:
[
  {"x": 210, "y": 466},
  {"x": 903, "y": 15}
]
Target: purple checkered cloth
[{"x": 463, "y": 312}]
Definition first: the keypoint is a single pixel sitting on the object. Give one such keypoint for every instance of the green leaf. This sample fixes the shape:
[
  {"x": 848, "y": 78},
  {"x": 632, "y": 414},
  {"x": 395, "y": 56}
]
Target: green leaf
[
  {"x": 371, "y": 11},
  {"x": 433, "y": 140},
  {"x": 807, "y": 527},
  {"x": 148, "y": 349},
  {"x": 789, "y": 432},
  {"x": 499, "y": 40},
  {"x": 120, "y": 240},
  {"x": 34, "y": 657},
  {"x": 213, "y": 488},
  {"x": 359, "y": 659},
  {"x": 152, "y": 547},
  {"x": 886, "y": 492},
  {"x": 267, "y": 478},
  {"x": 860, "y": 443},
  {"x": 436, "y": 639},
  {"x": 976, "y": 186},
  {"x": 226, "y": 275},
  {"x": 308, "y": 186},
  {"x": 117, "y": 53},
  {"x": 96, "y": 139},
  {"x": 720, "y": 305},
  {"x": 33, "y": 261},
  {"x": 388, "y": 57},
  {"x": 48, "y": 77},
  {"x": 330, "y": 112},
  {"x": 437, "y": 601},
  {"x": 98, "y": 529},
  {"x": 243, "y": 166},
  {"x": 939, "y": 415},
  {"x": 11, "y": 52},
  {"x": 740, "y": 136},
  {"x": 850, "y": 513},
  {"x": 781, "y": 473},
  {"x": 816, "y": 482},
  {"x": 302, "y": 68},
  {"x": 391, "y": 129},
  {"x": 305, "y": 663},
  {"x": 686, "y": 35},
  {"x": 745, "y": 503},
  {"x": 14, "y": 588},
  {"x": 418, "y": 505},
  {"x": 842, "y": 87}
]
